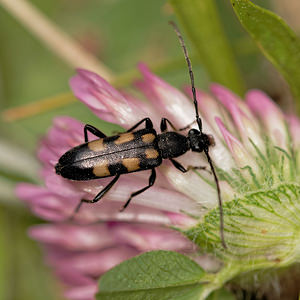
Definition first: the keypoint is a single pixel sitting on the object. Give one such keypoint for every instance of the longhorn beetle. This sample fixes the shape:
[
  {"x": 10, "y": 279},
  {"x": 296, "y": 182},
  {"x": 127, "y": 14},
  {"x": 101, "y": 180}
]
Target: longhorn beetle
[{"x": 135, "y": 151}]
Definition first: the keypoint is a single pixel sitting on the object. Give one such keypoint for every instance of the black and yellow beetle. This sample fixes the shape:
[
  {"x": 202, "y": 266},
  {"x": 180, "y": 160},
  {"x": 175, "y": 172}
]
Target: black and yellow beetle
[
  {"x": 128, "y": 152},
  {"x": 135, "y": 151}
]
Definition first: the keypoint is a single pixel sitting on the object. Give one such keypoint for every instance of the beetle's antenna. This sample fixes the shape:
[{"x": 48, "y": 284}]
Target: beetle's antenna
[
  {"x": 199, "y": 122},
  {"x": 219, "y": 197},
  {"x": 186, "y": 55}
]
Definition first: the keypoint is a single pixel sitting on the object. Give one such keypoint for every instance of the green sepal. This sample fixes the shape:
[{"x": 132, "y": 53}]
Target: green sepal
[{"x": 260, "y": 228}]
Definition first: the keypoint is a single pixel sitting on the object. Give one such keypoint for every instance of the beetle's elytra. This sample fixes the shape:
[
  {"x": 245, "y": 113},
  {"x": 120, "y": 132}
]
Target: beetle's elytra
[
  {"x": 109, "y": 156},
  {"x": 136, "y": 150}
]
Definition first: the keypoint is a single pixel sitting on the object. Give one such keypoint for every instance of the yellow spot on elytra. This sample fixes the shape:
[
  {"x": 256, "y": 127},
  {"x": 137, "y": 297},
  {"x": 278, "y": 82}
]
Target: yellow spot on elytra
[
  {"x": 96, "y": 145},
  {"x": 148, "y": 138},
  {"x": 132, "y": 164},
  {"x": 124, "y": 138},
  {"x": 101, "y": 170},
  {"x": 151, "y": 153}
]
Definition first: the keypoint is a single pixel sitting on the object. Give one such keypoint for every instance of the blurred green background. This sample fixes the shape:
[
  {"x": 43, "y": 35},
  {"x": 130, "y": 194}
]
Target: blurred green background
[{"x": 120, "y": 33}]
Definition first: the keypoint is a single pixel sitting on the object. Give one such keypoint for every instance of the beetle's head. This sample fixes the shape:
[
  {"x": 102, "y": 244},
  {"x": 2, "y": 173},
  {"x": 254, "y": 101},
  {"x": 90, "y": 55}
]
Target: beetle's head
[{"x": 200, "y": 141}]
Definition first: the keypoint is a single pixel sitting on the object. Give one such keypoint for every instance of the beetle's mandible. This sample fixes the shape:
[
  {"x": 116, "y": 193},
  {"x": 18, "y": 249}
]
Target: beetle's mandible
[{"x": 137, "y": 150}]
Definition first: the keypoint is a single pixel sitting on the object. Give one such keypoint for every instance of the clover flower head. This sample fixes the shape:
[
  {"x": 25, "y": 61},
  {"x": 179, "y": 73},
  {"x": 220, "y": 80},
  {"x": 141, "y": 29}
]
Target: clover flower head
[{"x": 256, "y": 155}]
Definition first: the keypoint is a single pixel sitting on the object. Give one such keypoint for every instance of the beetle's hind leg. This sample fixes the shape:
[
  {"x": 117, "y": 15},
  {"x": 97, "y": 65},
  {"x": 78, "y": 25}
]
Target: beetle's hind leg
[
  {"x": 97, "y": 198},
  {"x": 95, "y": 131},
  {"x": 182, "y": 169},
  {"x": 151, "y": 182}
]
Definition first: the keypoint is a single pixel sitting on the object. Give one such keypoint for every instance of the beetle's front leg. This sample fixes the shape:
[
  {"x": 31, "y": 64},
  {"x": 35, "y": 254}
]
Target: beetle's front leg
[
  {"x": 149, "y": 125},
  {"x": 163, "y": 125},
  {"x": 148, "y": 122},
  {"x": 182, "y": 169},
  {"x": 187, "y": 126},
  {"x": 164, "y": 121}
]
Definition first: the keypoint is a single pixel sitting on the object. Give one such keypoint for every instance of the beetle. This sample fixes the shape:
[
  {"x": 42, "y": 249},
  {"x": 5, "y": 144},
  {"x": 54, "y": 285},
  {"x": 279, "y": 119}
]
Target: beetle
[{"x": 137, "y": 150}]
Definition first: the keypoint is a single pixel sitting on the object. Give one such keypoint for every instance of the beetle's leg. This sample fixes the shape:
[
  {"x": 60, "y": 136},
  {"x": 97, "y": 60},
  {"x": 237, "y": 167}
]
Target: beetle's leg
[
  {"x": 148, "y": 122},
  {"x": 187, "y": 126},
  {"x": 95, "y": 131},
  {"x": 151, "y": 182},
  {"x": 163, "y": 125},
  {"x": 181, "y": 168},
  {"x": 98, "y": 196}
]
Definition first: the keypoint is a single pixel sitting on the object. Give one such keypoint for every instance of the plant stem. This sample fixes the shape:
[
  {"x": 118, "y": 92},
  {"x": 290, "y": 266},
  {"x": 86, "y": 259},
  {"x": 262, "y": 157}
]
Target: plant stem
[{"x": 54, "y": 38}]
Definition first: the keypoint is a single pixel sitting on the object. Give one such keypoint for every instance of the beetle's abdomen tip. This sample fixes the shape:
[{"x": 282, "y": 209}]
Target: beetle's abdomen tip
[{"x": 58, "y": 169}]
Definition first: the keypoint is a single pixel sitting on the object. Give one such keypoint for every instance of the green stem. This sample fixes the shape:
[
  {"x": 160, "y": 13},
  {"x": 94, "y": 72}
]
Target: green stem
[{"x": 218, "y": 280}]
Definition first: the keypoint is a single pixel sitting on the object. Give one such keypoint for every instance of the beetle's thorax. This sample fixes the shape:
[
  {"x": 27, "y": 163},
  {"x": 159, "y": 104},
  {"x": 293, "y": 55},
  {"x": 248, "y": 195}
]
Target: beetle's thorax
[
  {"x": 199, "y": 141},
  {"x": 172, "y": 144}
]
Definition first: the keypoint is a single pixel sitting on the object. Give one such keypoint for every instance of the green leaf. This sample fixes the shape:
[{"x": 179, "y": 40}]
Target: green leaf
[
  {"x": 188, "y": 292},
  {"x": 201, "y": 22},
  {"x": 221, "y": 294},
  {"x": 153, "y": 275},
  {"x": 275, "y": 39}
]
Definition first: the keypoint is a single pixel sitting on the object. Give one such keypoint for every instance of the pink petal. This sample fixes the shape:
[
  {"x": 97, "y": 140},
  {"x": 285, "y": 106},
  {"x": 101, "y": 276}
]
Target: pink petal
[
  {"x": 105, "y": 101},
  {"x": 270, "y": 115},
  {"x": 63, "y": 187},
  {"x": 47, "y": 155},
  {"x": 202, "y": 192},
  {"x": 209, "y": 107},
  {"x": 74, "y": 279},
  {"x": 294, "y": 125},
  {"x": 146, "y": 107},
  {"x": 110, "y": 211},
  {"x": 239, "y": 153},
  {"x": 86, "y": 292},
  {"x": 44, "y": 203},
  {"x": 181, "y": 220},
  {"x": 28, "y": 191},
  {"x": 65, "y": 134},
  {"x": 100, "y": 236},
  {"x": 49, "y": 214},
  {"x": 156, "y": 197},
  {"x": 95, "y": 263},
  {"x": 74, "y": 237},
  {"x": 168, "y": 101},
  {"x": 146, "y": 238},
  {"x": 227, "y": 98}
]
